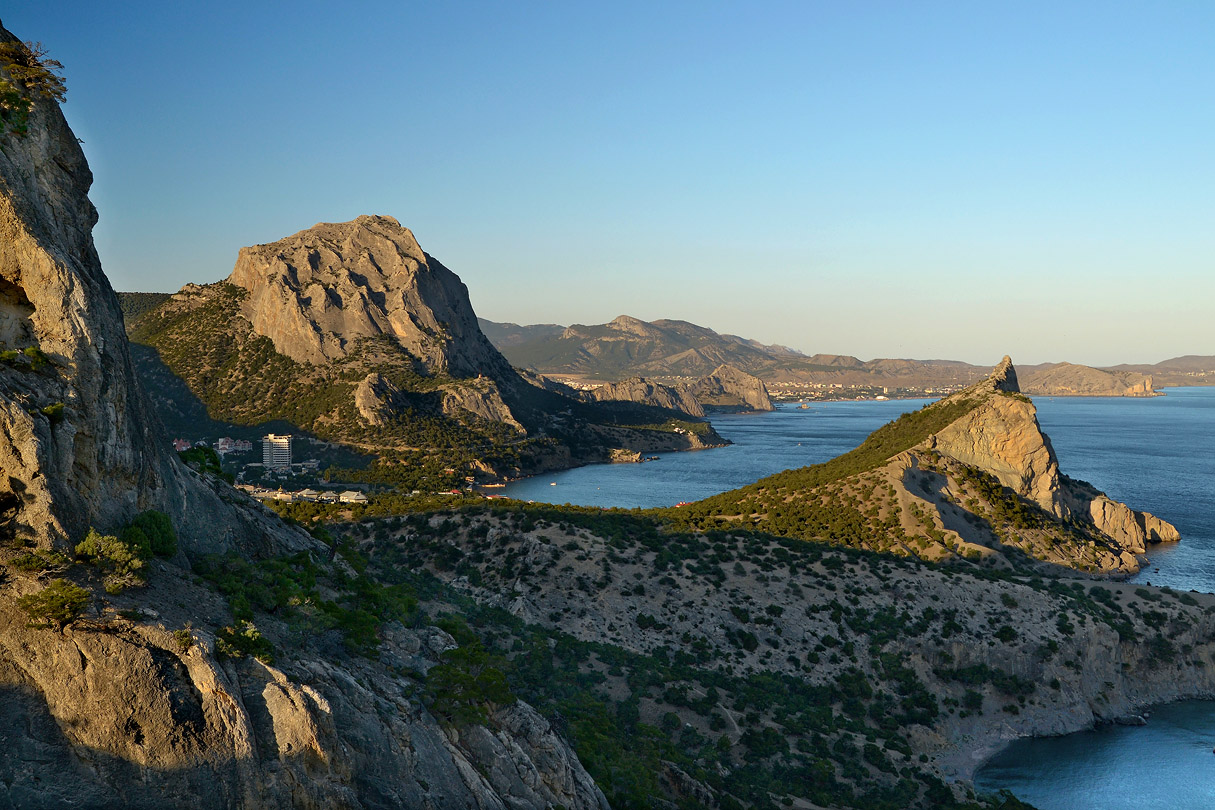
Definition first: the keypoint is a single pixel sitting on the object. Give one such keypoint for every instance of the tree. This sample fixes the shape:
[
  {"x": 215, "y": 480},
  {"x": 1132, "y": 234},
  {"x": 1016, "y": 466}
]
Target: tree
[
  {"x": 56, "y": 605},
  {"x": 466, "y": 686}
]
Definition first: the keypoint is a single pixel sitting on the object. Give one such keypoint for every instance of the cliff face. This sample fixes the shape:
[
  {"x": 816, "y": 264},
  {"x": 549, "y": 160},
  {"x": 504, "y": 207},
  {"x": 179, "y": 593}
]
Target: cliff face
[
  {"x": 317, "y": 293},
  {"x": 79, "y": 446},
  {"x": 115, "y": 708},
  {"x": 729, "y": 389},
  {"x": 647, "y": 392},
  {"x": 113, "y": 713}
]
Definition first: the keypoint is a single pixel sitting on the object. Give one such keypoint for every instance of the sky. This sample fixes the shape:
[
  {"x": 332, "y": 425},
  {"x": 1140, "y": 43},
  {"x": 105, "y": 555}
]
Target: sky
[{"x": 884, "y": 179}]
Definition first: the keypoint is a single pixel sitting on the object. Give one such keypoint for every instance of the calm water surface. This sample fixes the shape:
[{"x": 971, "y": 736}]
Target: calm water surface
[{"x": 1156, "y": 454}]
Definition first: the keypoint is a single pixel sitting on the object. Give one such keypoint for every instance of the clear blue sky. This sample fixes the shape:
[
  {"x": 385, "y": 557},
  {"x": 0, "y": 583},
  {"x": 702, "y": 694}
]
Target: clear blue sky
[{"x": 923, "y": 179}]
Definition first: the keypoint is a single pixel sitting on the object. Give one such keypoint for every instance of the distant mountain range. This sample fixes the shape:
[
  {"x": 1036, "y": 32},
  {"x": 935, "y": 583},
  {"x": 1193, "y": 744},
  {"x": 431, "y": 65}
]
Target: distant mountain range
[{"x": 666, "y": 349}]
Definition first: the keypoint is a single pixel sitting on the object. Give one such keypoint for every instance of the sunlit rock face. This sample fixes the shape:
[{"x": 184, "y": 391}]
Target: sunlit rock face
[{"x": 319, "y": 292}]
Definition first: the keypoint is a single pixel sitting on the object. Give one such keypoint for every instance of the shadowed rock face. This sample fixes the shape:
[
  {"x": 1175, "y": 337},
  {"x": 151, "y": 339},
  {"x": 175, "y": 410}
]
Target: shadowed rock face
[
  {"x": 727, "y": 388},
  {"x": 79, "y": 445},
  {"x": 317, "y": 293},
  {"x": 648, "y": 392}
]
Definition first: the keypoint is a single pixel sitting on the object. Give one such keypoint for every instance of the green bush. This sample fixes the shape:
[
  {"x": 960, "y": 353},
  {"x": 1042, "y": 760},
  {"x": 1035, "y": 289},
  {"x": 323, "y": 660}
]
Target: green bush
[
  {"x": 120, "y": 559},
  {"x": 467, "y": 684},
  {"x": 157, "y": 528},
  {"x": 38, "y": 360},
  {"x": 241, "y": 640},
  {"x": 53, "y": 412},
  {"x": 56, "y": 605}
]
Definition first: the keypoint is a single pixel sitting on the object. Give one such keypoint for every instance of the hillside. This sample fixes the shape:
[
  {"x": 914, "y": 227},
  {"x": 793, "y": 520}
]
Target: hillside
[
  {"x": 351, "y": 332},
  {"x": 672, "y": 352},
  {"x": 734, "y": 669},
  {"x": 969, "y": 476},
  {"x": 676, "y": 351}
]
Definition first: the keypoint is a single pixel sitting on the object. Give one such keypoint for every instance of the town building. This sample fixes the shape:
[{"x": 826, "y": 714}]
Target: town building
[{"x": 276, "y": 451}]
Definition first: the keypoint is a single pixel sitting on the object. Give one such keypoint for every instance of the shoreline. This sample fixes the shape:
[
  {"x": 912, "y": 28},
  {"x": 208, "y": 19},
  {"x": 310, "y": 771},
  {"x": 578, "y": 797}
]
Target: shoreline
[{"x": 966, "y": 763}]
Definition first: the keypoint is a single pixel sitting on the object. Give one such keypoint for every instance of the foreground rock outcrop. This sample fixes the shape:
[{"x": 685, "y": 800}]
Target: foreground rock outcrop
[
  {"x": 79, "y": 446},
  {"x": 114, "y": 712},
  {"x": 128, "y": 699}
]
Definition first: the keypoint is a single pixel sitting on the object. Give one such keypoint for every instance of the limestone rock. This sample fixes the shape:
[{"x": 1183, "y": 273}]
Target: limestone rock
[
  {"x": 480, "y": 397},
  {"x": 647, "y": 392},
  {"x": 1001, "y": 436},
  {"x": 727, "y": 388},
  {"x": 320, "y": 292},
  {"x": 376, "y": 398},
  {"x": 79, "y": 446}
]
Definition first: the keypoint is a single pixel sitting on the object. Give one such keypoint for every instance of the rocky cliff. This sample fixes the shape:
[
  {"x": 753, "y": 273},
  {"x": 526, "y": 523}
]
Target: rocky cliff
[
  {"x": 648, "y": 392},
  {"x": 969, "y": 476},
  {"x": 79, "y": 446},
  {"x": 728, "y": 389},
  {"x": 318, "y": 293},
  {"x": 127, "y": 695}
]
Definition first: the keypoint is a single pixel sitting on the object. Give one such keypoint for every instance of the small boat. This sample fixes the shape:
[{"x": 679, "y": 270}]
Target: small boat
[{"x": 553, "y": 484}]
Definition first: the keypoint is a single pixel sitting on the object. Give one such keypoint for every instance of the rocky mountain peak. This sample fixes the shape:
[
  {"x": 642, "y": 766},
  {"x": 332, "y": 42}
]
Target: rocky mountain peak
[
  {"x": 319, "y": 293},
  {"x": 1004, "y": 376},
  {"x": 1001, "y": 436}
]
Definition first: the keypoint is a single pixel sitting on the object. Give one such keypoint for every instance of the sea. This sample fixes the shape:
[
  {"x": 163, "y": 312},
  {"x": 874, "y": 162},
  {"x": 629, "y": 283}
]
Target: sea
[{"x": 1156, "y": 454}]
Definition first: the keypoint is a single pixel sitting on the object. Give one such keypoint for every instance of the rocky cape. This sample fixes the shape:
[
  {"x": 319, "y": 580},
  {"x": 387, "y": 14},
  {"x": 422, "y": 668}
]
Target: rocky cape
[
  {"x": 1071, "y": 380},
  {"x": 971, "y": 475},
  {"x": 132, "y": 702}
]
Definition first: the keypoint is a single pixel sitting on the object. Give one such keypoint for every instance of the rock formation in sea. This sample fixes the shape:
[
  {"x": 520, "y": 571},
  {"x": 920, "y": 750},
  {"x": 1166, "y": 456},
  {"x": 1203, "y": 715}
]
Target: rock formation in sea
[{"x": 1072, "y": 380}]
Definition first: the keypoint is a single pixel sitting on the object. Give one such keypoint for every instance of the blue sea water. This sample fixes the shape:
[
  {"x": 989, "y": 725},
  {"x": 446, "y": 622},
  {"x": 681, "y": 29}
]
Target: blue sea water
[{"x": 1155, "y": 454}]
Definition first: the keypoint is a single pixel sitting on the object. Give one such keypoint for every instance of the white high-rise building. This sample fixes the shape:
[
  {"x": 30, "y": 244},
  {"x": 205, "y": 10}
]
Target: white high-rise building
[{"x": 276, "y": 450}]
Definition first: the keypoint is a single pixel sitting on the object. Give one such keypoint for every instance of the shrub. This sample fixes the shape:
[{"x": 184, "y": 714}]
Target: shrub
[
  {"x": 157, "y": 528},
  {"x": 184, "y": 638},
  {"x": 38, "y": 360},
  {"x": 121, "y": 560},
  {"x": 56, "y": 605},
  {"x": 53, "y": 412},
  {"x": 241, "y": 640},
  {"x": 466, "y": 684}
]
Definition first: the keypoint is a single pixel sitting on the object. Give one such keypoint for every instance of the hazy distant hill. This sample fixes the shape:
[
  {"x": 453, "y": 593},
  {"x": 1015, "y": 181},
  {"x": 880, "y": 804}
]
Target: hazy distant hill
[
  {"x": 628, "y": 347},
  {"x": 1069, "y": 379},
  {"x": 1189, "y": 369}
]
